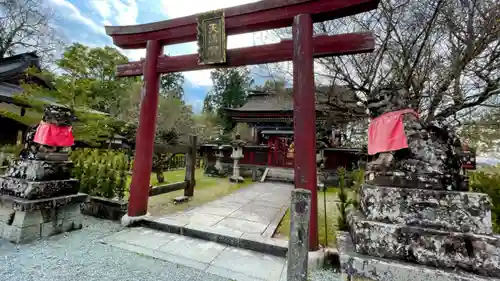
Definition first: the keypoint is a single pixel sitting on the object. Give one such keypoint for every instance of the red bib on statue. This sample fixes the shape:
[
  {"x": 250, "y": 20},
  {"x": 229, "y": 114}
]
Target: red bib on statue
[
  {"x": 53, "y": 135},
  {"x": 386, "y": 132}
]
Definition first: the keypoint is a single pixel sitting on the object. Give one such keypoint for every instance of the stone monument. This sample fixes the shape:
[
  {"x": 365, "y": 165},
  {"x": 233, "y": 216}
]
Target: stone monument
[
  {"x": 417, "y": 221},
  {"x": 237, "y": 155},
  {"x": 38, "y": 196}
]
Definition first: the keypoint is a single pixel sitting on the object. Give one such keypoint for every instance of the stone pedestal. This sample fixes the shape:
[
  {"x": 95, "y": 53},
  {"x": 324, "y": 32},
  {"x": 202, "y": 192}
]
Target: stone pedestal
[
  {"x": 23, "y": 220},
  {"x": 236, "y": 172},
  {"x": 449, "y": 230},
  {"x": 359, "y": 267},
  {"x": 237, "y": 154}
]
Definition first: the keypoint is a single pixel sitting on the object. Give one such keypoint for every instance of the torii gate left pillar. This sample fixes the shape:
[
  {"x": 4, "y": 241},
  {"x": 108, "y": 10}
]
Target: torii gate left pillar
[{"x": 143, "y": 160}]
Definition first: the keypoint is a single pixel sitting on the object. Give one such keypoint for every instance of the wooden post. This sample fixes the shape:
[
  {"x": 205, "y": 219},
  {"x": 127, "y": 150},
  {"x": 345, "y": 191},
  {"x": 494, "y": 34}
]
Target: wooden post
[
  {"x": 304, "y": 115},
  {"x": 190, "y": 167},
  {"x": 298, "y": 246},
  {"x": 139, "y": 188}
]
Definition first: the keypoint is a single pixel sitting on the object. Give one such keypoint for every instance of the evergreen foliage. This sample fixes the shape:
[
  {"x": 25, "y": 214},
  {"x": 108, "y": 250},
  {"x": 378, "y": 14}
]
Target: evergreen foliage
[{"x": 101, "y": 172}]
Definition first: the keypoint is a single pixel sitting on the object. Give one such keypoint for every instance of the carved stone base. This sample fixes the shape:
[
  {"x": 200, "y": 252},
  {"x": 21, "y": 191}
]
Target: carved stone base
[
  {"x": 40, "y": 170},
  {"x": 37, "y": 189},
  {"x": 406, "y": 180},
  {"x": 104, "y": 208},
  {"x": 236, "y": 179},
  {"x": 23, "y": 221},
  {"x": 52, "y": 156},
  {"x": 454, "y": 250},
  {"x": 358, "y": 267},
  {"x": 212, "y": 171},
  {"x": 437, "y": 209}
]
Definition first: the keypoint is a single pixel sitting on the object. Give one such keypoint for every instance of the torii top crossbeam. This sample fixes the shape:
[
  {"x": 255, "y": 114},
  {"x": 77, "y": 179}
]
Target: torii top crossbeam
[{"x": 258, "y": 16}]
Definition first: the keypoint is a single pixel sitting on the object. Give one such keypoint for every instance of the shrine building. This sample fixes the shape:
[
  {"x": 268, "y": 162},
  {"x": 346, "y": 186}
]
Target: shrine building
[
  {"x": 16, "y": 116},
  {"x": 270, "y": 113}
]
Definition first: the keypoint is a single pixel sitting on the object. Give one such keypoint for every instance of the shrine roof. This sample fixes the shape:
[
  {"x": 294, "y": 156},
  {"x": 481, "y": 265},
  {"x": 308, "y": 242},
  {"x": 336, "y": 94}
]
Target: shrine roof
[
  {"x": 260, "y": 102},
  {"x": 13, "y": 71}
]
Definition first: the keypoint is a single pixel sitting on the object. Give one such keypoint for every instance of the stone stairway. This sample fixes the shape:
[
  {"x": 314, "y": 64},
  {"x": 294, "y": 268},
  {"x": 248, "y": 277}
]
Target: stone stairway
[{"x": 279, "y": 174}]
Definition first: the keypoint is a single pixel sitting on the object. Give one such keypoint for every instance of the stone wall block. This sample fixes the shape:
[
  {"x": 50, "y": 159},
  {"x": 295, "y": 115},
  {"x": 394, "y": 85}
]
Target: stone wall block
[
  {"x": 437, "y": 209},
  {"x": 25, "y": 219},
  {"x": 6, "y": 214},
  {"x": 443, "y": 249}
]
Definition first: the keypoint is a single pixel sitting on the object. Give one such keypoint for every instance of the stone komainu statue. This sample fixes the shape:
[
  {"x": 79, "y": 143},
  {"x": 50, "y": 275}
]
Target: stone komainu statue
[
  {"x": 52, "y": 134},
  {"x": 426, "y": 154}
]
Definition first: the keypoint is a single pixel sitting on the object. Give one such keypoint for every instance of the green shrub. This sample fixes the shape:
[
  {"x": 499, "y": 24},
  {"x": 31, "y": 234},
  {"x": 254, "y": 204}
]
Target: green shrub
[
  {"x": 487, "y": 180},
  {"x": 11, "y": 149},
  {"x": 101, "y": 172},
  {"x": 345, "y": 202},
  {"x": 8, "y": 153},
  {"x": 358, "y": 179}
]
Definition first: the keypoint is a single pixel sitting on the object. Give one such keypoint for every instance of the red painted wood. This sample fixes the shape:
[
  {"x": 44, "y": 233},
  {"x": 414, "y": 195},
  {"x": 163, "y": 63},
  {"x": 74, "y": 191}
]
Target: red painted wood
[
  {"x": 269, "y": 155},
  {"x": 139, "y": 188},
  {"x": 335, "y": 45},
  {"x": 305, "y": 117},
  {"x": 258, "y": 16}
]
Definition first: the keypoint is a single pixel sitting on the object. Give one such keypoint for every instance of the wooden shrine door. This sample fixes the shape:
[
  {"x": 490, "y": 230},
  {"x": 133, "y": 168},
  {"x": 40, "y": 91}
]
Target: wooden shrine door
[{"x": 278, "y": 150}]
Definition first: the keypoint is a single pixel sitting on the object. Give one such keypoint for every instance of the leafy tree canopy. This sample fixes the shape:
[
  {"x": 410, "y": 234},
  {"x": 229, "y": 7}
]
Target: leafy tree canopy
[
  {"x": 26, "y": 26},
  {"x": 229, "y": 91}
]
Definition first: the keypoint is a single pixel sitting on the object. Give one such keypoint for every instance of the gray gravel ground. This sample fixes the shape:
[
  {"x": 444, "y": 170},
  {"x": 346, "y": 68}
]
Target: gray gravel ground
[{"x": 79, "y": 256}]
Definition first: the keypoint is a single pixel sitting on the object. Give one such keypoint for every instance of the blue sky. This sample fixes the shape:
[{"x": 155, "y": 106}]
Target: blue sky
[{"x": 84, "y": 20}]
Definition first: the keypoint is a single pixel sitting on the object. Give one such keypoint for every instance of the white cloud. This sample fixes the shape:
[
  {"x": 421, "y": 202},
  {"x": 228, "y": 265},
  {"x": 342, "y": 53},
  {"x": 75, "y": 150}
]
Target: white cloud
[
  {"x": 120, "y": 12},
  {"x": 176, "y": 9},
  {"x": 102, "y": 7},
  {"x": 197, "y": 105},
  {"x": 75, "y": 14},
  {"x": 126, "y": 11},
  {"x": 199, "y": 78},
  {"x": 134, "y": 55}
]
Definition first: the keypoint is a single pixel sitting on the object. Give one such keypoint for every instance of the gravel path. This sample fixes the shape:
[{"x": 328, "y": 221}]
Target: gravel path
[{"x": 79, "y": 256}]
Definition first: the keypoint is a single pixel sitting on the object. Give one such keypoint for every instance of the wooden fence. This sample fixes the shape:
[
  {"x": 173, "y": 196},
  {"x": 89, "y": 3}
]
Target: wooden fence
[{"x": 189, "y": 160}]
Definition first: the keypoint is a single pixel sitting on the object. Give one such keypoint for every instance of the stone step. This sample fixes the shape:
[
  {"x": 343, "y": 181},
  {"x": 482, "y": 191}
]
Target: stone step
[
  {"x": 474, "y": 253},
  {"x": 254, "y": 242},
  {"x": 208, "y": 256},
  {"x": 280, "y": 174},
  {"x": 438, "y": 209}
]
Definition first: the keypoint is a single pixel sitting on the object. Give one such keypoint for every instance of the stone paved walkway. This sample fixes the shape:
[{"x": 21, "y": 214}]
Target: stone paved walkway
[
  {"x": 206, "y": 256},
  {"x": 256, "y": 209},
  {"x": 250, "y": 214}
]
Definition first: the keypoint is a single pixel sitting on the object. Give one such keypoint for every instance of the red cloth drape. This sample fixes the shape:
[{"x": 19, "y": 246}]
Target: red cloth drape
[
  {"x": 53, "y": 135},
  {"x": 386, "y": 132}
]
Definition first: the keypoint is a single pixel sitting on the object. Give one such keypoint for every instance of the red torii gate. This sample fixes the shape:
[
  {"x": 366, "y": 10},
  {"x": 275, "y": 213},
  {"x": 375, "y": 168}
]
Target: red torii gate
[{"x": 258, "y": 16}]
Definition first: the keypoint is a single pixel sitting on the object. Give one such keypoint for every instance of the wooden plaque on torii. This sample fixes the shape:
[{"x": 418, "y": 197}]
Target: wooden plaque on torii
[{"x": 211, "y": 37}]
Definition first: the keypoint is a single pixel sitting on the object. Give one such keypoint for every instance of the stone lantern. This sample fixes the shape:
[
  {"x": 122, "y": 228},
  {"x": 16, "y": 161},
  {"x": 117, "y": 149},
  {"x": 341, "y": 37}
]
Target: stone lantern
[
  {"x": 219, "y": 155},
  {"x": 237, "y": 154}
]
